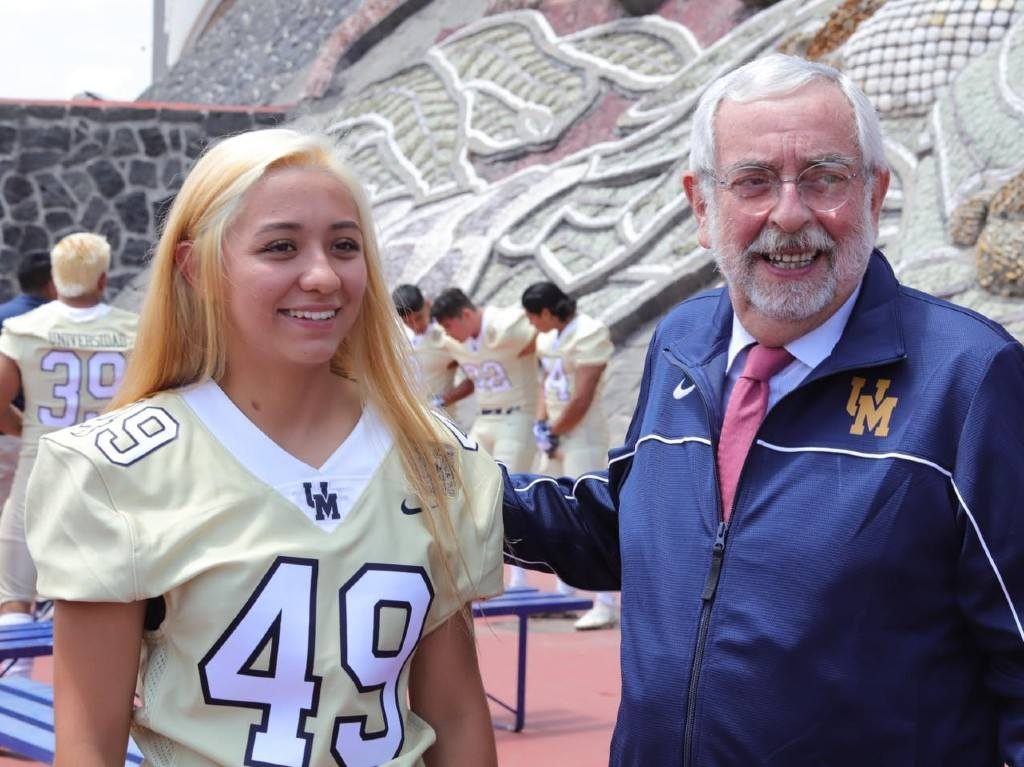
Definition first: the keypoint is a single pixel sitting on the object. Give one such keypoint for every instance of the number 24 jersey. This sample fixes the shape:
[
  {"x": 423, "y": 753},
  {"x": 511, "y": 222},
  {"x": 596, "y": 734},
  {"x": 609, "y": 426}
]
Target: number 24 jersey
[{"x": 295, "y": 596}]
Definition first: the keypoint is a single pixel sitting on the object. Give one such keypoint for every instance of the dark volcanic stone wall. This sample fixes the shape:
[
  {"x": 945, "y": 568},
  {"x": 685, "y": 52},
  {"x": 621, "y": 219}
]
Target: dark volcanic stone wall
[
  {"x": 111, "y": 169},
  {"x": 253, "y": 52}
]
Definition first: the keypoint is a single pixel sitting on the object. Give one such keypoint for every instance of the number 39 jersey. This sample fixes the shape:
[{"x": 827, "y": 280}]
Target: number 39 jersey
[
  {"x": 70, "y": 360},
  {"x": 295, "y": 596}
]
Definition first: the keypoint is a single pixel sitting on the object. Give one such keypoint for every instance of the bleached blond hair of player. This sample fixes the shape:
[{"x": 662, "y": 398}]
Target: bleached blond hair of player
[
  {"x": 182, "y": 326},
  {"x": 77, "y": 262}
]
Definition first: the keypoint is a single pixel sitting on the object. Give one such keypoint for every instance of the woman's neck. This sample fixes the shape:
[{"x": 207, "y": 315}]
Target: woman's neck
[{"x": 307, "y": 413}]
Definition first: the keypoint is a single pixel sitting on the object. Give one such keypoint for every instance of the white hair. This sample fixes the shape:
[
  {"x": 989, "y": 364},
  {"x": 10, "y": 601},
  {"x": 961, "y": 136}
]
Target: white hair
[
  {"x": 773, "y": 76},
  {"x": 77, "y": 262}
]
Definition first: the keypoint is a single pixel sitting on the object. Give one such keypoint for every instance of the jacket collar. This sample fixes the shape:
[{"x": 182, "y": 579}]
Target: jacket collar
[{"x": 873, "y": 334}]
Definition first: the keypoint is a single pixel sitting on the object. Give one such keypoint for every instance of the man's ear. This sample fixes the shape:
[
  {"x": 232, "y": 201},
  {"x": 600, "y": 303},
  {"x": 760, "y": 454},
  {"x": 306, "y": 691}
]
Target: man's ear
[
  {"x": 879, "y": 186},
  {"x": 691, "y": 185},
  {"x": 186, "y": 264}
]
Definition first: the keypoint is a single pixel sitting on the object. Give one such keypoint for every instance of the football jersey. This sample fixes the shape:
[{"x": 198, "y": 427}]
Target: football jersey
[
  {"x": 433, "y": 359},
  {"x": 501, "y": 378},
  {"x": 295, "y": 596},
  {"x": 583, "y": 342},
  {"x": 71, "y": 362}
]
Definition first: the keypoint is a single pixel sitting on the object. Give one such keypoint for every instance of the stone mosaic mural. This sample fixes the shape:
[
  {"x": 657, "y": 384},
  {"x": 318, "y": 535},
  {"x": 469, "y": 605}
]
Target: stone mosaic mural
[
  {"x": 469, "y": 154},
  {"x": 544, "y": 139}
]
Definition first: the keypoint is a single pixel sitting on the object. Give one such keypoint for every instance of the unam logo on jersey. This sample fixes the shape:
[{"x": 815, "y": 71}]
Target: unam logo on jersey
[{"x": 325, "y": 502}]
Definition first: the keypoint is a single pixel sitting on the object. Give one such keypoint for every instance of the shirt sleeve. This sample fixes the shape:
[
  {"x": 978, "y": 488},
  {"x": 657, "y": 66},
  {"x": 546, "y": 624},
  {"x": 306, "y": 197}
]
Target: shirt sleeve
[
  {"x": 10, "y": 344},
  {"x": 595, "y": 347},
  {"x": 82, "y": 546},
  {"x": 988, "y": 481},
  {"x": 514, "y": 330},
  {"x": 480, "y": 528}
]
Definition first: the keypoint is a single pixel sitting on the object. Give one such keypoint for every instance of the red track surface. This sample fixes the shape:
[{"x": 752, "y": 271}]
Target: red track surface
[{"x": 572, "y": 690}]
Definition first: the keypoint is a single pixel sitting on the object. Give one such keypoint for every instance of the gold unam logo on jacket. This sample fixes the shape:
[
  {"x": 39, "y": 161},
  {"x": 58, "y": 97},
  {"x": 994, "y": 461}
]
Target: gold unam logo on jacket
[{"x": 871, "y": 411}]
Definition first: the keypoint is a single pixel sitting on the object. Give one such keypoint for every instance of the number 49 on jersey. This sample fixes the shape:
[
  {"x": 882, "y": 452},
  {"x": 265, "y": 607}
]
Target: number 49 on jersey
[{"x": 279, "y": 622}]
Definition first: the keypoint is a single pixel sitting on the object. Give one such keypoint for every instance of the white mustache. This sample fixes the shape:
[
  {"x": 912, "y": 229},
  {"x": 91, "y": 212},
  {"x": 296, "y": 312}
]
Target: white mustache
[{"x": 771, "y": 240}]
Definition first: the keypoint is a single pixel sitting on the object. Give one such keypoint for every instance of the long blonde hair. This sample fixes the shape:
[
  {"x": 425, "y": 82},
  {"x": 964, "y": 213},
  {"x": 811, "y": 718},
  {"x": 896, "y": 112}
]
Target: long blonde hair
[{"x": 181, "y": 326}]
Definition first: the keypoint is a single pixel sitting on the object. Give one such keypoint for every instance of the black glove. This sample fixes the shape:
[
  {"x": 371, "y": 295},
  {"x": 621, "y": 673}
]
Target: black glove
[{"x": 553, "y": 445}]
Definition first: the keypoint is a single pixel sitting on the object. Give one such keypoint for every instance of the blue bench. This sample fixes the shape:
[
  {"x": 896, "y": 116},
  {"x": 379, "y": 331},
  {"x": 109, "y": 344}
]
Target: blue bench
[
  {"x": 26, "y": 706},
  {"x": 26, "y": 720},
  {"x": 523, "y": 603},
  {"x": 29, "y": 640}
]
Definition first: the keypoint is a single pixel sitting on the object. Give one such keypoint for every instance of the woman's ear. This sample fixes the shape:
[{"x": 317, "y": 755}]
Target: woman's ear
[{"x": 186, "y": 264}]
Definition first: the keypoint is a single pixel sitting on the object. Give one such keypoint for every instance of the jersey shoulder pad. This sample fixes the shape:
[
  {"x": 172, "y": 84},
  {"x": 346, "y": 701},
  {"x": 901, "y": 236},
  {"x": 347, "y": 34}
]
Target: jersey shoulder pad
[
  {"x": 125, "y": 436},
  {"x": 509, "y": 326},
  {"x": 592, "y": 343},
  {"x": 35, "y": 323},
  {"x": 124, "y": 320},
  {"x": 436, "y": 336}
]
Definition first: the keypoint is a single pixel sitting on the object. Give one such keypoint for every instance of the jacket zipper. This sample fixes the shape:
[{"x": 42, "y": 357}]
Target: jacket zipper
[
  {"x": 710, "y": 582},
  {"x": 707, "y": 599},
  {"x": 717, "y": 556}
]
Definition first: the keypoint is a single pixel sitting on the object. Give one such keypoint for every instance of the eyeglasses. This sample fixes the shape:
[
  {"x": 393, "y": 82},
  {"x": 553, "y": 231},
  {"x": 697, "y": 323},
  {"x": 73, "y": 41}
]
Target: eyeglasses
[{"x": 823, "y": 187}]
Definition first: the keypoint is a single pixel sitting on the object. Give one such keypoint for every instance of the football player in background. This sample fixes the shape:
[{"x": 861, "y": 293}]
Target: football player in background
[
  {"x": 36, "y": 287},
  {"x": 434, "y": 361},
  {"x": 35, "y": 283},
  {"x": 495, "y": 348},
  {"x": 271, "y": 510},
  {"x": 571, "y": 428},
  {"x": 67, "y": 356}
]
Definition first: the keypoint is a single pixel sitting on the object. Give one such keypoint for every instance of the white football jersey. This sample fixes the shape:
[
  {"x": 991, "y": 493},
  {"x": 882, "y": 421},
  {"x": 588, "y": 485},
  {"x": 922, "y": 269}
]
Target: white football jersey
[
  {"x": 584, "y": 342},
  {"x": 433, "y": 359},
  {"x": 501, "y": 378},
  {"x": 71, "y": 362},
  {"x": 295, "y": 596}
]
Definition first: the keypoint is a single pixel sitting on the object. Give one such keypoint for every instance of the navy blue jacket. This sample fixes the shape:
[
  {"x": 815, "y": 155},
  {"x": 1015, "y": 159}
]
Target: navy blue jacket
[{"x": 863, "y": 606}]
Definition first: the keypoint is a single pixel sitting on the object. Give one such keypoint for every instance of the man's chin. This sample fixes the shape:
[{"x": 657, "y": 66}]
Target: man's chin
[{"x": 793, "y": 302}]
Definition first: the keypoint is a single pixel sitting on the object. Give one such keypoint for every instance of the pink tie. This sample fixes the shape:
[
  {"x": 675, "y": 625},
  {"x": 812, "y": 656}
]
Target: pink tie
[{"x": 748, "y": 403}]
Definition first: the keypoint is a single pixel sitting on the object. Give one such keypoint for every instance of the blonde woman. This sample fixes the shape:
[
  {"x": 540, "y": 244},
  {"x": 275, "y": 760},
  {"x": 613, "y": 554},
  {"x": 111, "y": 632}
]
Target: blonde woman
[{"x": 271, "y": 516}]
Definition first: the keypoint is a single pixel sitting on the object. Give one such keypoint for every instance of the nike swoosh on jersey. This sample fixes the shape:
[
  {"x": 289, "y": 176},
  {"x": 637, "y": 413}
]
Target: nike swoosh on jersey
[
  {"x": 679, "y": 392},
  {"x": 410, "y": 510}
]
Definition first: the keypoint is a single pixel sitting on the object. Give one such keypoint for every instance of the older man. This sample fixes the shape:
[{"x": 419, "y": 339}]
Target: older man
[{"x": 839, "y": 581}]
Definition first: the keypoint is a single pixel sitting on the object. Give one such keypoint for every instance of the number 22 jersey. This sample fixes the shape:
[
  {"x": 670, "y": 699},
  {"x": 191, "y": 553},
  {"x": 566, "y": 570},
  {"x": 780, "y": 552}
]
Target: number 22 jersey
[
  {"x": 295, "y": 596},
  {"x": 502, "y": 378}
]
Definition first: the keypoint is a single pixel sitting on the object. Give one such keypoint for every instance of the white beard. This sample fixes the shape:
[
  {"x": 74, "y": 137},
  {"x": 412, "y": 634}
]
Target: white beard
[{"x": 794, "y": 300}]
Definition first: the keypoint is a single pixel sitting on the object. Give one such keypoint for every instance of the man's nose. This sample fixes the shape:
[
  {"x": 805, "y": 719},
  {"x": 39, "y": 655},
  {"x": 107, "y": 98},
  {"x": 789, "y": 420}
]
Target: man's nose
[{"x": 790, "y": 213}]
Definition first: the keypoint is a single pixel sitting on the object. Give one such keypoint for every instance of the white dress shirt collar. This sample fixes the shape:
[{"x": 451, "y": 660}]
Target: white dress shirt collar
[
  {"x": 811, "y": 348},
  {"x": 808, "y": 351}
]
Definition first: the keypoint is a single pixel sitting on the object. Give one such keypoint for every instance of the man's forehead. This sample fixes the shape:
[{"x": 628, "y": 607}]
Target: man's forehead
[{"x": 814, "y": 123}]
